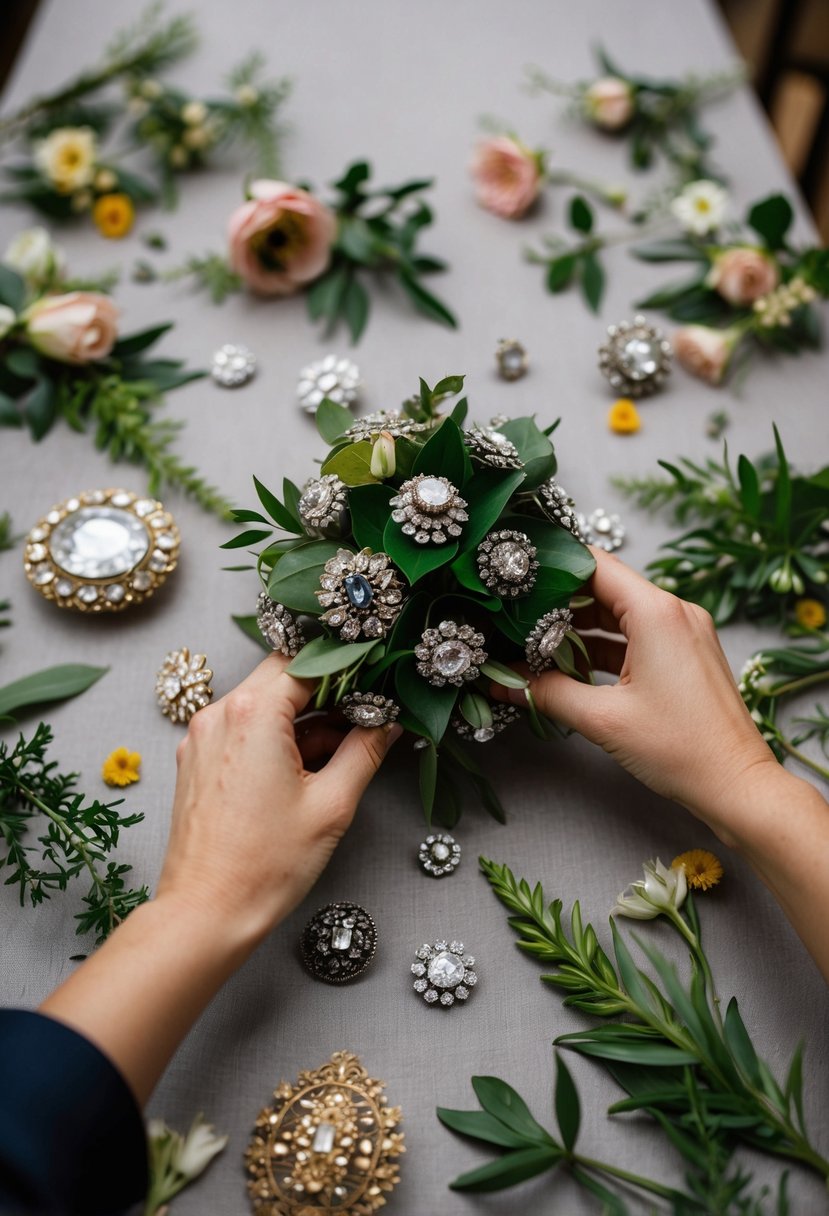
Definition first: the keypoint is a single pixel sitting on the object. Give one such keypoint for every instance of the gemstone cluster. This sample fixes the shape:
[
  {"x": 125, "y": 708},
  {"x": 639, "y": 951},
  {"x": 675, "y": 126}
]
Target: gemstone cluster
[
  {"x": 182, "y": 685},
  {"x": 558, "y": 506},
  {"x": 278, "y": 626},
  {"x": 506, "y": 563},
  {"x": 430, "y": 509},
  {"x": 502, "y": 716},
  {"x": 545, "y": 639},
  {"x": 443, "y": 973},
  {"x": 339, "y": 942},
  {"x": 397, "y": 425},
  {"x": 450, "y": 654},
  {"x": 636, "y": 358},
  {"x": 323, "y": 506},
  {"x": 491, "y": 447},
  {"x": 439, "y": 854},
  {"x": 369, "y": 709},
  {"x": 362, "y": 594},
  {"x": 602, "y": 529},
  {"x": 332, "y": 377},
  {"x": 233, "y": 365}
]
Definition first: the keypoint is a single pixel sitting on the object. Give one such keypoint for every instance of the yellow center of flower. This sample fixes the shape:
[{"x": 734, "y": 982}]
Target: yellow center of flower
[
  {"x": 113, "y": 215},
  {"x": 702, "y": 869},
  {"x": 623, "y": 417},
  {"x": 702, "y": 205},
  {"x": 275, "y": 246},
  {"x": 811, "y": 614}
]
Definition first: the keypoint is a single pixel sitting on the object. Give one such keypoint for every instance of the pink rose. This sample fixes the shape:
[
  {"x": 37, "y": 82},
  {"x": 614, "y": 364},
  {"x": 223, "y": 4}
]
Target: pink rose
[
  {"x": 280, "y": 238},
  {"x": 705, "y": 352},
  {"x": 743, "y": 275},
  {"x": 609, "y": 103},
  {"x": 79, "y": 327},
  {"x": 507, "y": 176}
]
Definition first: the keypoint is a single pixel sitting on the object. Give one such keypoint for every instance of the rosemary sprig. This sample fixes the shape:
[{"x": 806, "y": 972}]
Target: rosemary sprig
[{"x": 770, "y": 678}]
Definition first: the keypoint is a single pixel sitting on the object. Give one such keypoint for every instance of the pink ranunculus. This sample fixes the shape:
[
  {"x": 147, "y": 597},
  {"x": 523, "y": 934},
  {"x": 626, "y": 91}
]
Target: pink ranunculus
[
  {"x": 609, "y": 103},
  {"x": 705, "y": 352},
  {"x": 78, "y": 327},
  {"x": 507, "y": 176},
  {"x": 742, "y": 275},
  {"x": 281, "y": 238}
]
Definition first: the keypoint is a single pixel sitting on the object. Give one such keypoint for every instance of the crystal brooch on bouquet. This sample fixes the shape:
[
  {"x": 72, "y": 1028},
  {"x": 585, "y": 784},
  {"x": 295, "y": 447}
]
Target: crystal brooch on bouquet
[
  {"x": 506, "y": 563},
  {"x": 490, "y": 446},
  {"x": 362, "y": 594},
  {"x": 545, "y": 639},
  {"x": 368, "y": 709},
  {"x": 430, "y": 509},
  {"x": 450, "y": 654},
  {"x": 323, "y": 506},
  {"x": 502, "y": 716},
  {"x": 443, "y": 973},
  {"x": 278, "y": 626}
]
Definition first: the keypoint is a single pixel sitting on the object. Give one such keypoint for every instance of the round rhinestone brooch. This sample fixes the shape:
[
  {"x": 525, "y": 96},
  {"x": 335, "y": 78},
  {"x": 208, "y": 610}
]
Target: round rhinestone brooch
[
  {"x": 439, "y": 854},
  {"x": 362, "y": 594},
  {"x": 182, "y": 685},
  {"x": 511, "y": 358},
  {"x": 278, "y": 626},
  {"x": 489, "y": 446},
  {"x": 545, "y": 639},
  {"x": 443, "y": 973},
  {"x": 636, "y": 358},
  {"x": 559, "y": 507},
  {"x": 602, "y": 529},
  {"x": 233, "y": 365},
  {"x": 368, "y": 709},
  {"x": 430, "y": 509},
  {"x": 332, "y": 377},
  {"x": 323, "y": 506},
  {"x": 102, "y": 551},
  {"x": 450, "y": 654},
  {"x": 338, "y": 943},
  {"x": 506, "y": 563},
  {"x": 397, "y": 425}
]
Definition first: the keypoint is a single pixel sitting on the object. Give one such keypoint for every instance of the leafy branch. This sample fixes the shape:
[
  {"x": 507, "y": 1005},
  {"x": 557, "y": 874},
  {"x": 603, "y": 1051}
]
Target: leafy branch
[{"x": 774, "y": 675}]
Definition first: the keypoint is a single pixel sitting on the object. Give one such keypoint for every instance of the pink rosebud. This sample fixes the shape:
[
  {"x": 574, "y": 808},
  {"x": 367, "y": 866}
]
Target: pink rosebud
[
  {"x": 79, "y": 327},
  {"x": 742, "y": 275},
  {"x": 507, "y": 176},
  {"x": 609, "y": 103},
  {"x": 280, "y": 238},
  {"x": 705, "y": 352}
]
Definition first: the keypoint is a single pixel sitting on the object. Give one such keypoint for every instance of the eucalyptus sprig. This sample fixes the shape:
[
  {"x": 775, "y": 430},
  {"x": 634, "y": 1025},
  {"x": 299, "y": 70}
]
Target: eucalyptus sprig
[
  {"x": 74, "y": 838},
  {"x": 758, "y": 541},
  {"x": 672, "y": 1030},
  {"x": 775, "y": 675}
]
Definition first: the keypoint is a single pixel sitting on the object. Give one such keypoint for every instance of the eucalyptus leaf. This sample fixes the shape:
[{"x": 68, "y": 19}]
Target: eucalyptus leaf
[
  {"x": 568, "y": 1108},
  {"x": 352, "y": 464},
  {"x": 508, "y": 1170},
  {"x": 444, "y": 455},
  {"x": 296, "y": 577},
  {"x": 58, "y": 683},
  {"x": 279, "y": 513},
  {"x": 324, "y": 655},
  {"x": 502, "y": 675},
  {"x": 481, "y": 1126},
  {"x": 502, "y": 1102}
]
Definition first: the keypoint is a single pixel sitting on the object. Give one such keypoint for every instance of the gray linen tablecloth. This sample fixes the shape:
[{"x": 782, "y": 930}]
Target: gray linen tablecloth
[{"x": 405, "y": 85}]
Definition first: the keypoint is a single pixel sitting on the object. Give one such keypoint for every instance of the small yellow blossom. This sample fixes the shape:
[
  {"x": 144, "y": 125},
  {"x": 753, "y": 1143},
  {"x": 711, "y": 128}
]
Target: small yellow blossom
[
  {"x": 121, "y": 767},
  {"x": 113, "y": 215},
  {"x": 702, "y": 869},
  {"x": 623, "y": 417},
  {"x": 810, "y": 614}
]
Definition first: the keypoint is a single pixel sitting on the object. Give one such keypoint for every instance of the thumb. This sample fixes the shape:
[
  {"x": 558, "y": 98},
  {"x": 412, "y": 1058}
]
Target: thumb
[
  {"x": 357, "y": 760},
  {"x": 558, "y": 696}
]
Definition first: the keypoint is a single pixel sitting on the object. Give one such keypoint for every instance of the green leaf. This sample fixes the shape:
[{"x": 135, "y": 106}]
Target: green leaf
[
  {"x": 581, "y": 214},
  {"x": 431, "y": 706},
  {"x": 749, "y": 486},
  {"x": 425, "y": 302},
  {"x": 631, "y": 977},
  {"x": 476, "y": 709},
  {"x": 249, "y": 626},
  {"x": 592, "y": 280},
  {"x": 12, "y": 288},
  {"x": 352, "y": 464},
  {"x": 502, "y": 675},
  {"x": 783, "y": 488},
  {"x": 415, "y": 560},
  {"x": 502, "y": 1102},
  {"x": 52, "y": 684},
  {"x": 355, "y": 307},
  {"x": 559, "y": 550},
  {"x": 568, "y": 1109},
  {"x": 323, "y": 655},
  {"x": 427, "y": 779},
  {"x": 465, "y": 569},
  {"x": 23, "y": 362},
  {"x": 740, "y": 1044},
  {"x": 560, "y": 272},
  {"x": 370, "y": 511},
  {"x": 534, "y": 448},
  {"x": 251, "y": 537},
  {"x": 133, "y": 344},
  {"x": 444, "y": 455},
  {"x": 677, "y": 250},
  {"x": 449, "y": 386},
  {"x": 9, "y": 413},
  {"x": 482, "y": 1126},
  {"x": 297, "y": 574},
  {"x": 324, "y": 296},
  {"x": 41, "y": 407},
  {"x": 612, "y": 1203},
  {"x": 631, "y": 1051},
  {"x": 332, "y": 420},
  {"x": 772, "y": 217},
  {"x": 487, "y": 494},
  {"x": 278, "y": 513},
  {"x": 508, "y": 1170}
]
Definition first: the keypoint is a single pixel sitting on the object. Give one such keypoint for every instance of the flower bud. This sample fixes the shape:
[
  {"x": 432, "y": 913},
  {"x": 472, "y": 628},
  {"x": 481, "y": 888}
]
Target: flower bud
[
  {"x": 780, "y": 580},
  {"x": 383, "y": 456}
]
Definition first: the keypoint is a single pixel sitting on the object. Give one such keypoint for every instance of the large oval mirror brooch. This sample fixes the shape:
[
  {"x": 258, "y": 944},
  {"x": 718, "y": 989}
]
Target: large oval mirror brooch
[
  {"x": 328, "y": 1144},
  {"x": 102, "y": 551}
]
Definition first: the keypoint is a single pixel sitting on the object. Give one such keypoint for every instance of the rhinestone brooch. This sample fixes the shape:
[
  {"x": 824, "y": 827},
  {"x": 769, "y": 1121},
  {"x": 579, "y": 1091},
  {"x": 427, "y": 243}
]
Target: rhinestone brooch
[
  {"x": 439, "y": 854},
  {"x": 368, "y": 709},
  {"x": 323, "y": 506},
  {"x": 338, "y": 943},
  {"x": 559, "y": 507},
  {"x": 602, "y": 529},
  {"x": 182, "y": 685},
  {"x": 545, "y": 639},
  {"x": 361, "y": 594},
  {"x": 502, "y": 716},
  {"x": 443, "y": 973},
  {"x": 430, "y": 509},
  {"x": 506, "y": 563},
  {"x": 397, "y": 424},
  {"x": 328, "y": 1143},
  {"x": 233, "y": 365},
  {"x": 636, "y": 358},
  {"x": 332, "y": 377},
  {"x": 511, "y": 358},
  {"x": 102, "y": 551},
  {"x": 489, "y": 446},
  {"x": 278, "y": 626},
  {"x": 450, "y": 654}
]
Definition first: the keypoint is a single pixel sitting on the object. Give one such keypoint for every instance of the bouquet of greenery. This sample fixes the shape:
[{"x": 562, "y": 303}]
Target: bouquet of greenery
[{"x": 419, "y": 563}]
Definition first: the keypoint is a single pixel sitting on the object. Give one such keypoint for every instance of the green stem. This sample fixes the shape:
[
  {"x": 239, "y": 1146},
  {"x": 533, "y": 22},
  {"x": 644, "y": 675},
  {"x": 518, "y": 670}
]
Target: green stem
[
  {"x": 797, "y": 754},
  {"x": 645, "y": 1184},
  {"x": 693, "y": 941},
  {"x": 792, "y": 686}
]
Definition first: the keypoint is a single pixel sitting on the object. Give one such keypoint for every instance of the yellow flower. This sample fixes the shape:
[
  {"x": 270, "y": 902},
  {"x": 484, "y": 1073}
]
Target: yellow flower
[
  {"x": 113, "y": 215},
  {"x": 810, "y": 614},
  {"x": 624, "y": 417},
  {"x": 702, "y": 869},
  {"x": 121, "y": 767},
  {"x": 66, "y": 157}
]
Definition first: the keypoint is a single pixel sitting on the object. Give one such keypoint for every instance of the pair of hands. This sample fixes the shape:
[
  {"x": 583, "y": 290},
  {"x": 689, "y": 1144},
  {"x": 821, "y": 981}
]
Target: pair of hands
[{"x": 253, "y": 827}]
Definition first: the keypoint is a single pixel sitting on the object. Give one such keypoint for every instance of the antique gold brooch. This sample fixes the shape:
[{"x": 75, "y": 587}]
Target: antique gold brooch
[{"x": 327, "y": 1144}]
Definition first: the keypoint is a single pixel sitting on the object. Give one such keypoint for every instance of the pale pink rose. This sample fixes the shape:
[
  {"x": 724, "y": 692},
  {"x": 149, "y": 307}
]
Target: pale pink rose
[
  {"x": 507, "y": 176},
  {"x": 743, "y": 275},
  {"x": 280, "y": 238},
  {"x": 79, "y": 327},
  {"x": 609, "y": 103},
  {"x": 705, "y": 352}
]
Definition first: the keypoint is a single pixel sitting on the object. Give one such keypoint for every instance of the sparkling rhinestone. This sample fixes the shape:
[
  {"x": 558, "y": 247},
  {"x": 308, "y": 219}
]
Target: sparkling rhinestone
[
  {"x": 88, "y": 594},
  {"x": 424, "y": 952},
  {"x": 431, "y": 996},
  {"x": 553, "y": 638},
  {"x": 420, "y": 985},
  {"x": 341, "y": 937},
  {"x": 37, "y": 553},
  {"x": 368, "y": 715},
  {"x": 323, "y": 1141},
  {"x": 440, "y": 851},
  {"x": 358, "y": 589},
  {"x": 640, "y": 357},
  {"x": 452, "y": 658},
  {"x": 470, "y": 979},
  {"x": 446, "y": 969},
  {"x": 94, "y": 542},
  {"x": 44, "y": 576},
  {"x": 145, "y": 506},
  {"x": 171, "y": 687},
  {"x": 316, "y": 499},
  {"x": 64, "y": 586},
  {"x": 38, "y": 534},
  {"x": 54, "y": 517},
  {"x": 120, "y": 498},
  {"x": 456, "y": 947},
  {"x": 461, "y": 992},
  {"x": 483, "y": 734},
  {"x": 433, "y": 492},
  {"x": 142, "y": 580},
  {"x": 418, "y": 969},
  {"x": 158, "y": 561},
  {"x": 166, "y": 541},
  {"x": 115, "y": 593},
  {"x": 91, "y": 496},
  {"x": 447, "y": 999},
  {"x": 511, "y": 561}
]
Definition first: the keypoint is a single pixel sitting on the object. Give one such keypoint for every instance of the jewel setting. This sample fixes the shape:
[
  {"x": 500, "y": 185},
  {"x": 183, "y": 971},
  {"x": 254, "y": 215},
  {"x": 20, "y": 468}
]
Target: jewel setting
[
  {"x": 397, "y": 424},
  {"x": 182, "y": 685},
  {"x": 489, "y": 446},
  {"x": 502, "y": 717},
  {"x": 602, "y": 529},
  {"x": 443, "y": 973},
  {"x": 506, "y": 563},
  {"x": 323, "y": 506},
  {"x": 368, "y": 709},
  {"x": 430, "y": 509},
  {"x": 511, "y": 358},
  {"x": 332, "y": 377},
  {"x": 439, "y": 854},
  {"x": 450, "y": 654},
  {"x": 636, "y": 358},
  {"x": 362, "y": 594},
  {"x": 545, "y": 639},
  {"x": 233, "y": 365},
  {"x": 278, "y": 626},
  {"x": 102, "y": 551},
  {"x": 558, "y": 506},
  {"x": 338, "y": 943}
]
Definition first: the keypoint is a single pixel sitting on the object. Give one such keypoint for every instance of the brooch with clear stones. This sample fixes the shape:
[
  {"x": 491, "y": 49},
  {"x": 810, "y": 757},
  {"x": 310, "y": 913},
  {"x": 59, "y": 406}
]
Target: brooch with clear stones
[
  {"x": 430, "y": 509},
  {"x": 338, "y": 943},
  {"x": 439, "y": 854},
  {"x": 490, "y": 447},
  {"x": 450, "y": 654},
  {"x": 560, "y": 508},
  {"x": 278, "y": 626},
  {"x": 506, "y": 562},
  {"x": 361, "y": 594},
  {"x": 182, "y": 685},
  {"x": 393, "y": 421},
  {"x": 323, "y": 506},
  {"x": 636, "y": 358},
  {"x": 443, "y": 973},
  {"x": 502, "y": 716},
  {"x": 546, "y": 637},
  {"x": 368, "y": 709}
]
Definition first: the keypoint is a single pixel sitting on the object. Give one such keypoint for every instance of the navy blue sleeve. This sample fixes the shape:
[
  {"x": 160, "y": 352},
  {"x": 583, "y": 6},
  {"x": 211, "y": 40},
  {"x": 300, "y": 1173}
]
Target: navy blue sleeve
[{"x": 72, "y": 1139}]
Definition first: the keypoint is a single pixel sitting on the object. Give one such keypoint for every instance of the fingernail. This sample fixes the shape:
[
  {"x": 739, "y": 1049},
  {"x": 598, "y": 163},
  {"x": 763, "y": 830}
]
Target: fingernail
[{"x": 394, "y": 732}]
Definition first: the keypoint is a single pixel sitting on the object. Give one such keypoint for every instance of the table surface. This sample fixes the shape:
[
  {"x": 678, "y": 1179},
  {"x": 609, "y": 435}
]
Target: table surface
[{"x": 405, "y": 86}]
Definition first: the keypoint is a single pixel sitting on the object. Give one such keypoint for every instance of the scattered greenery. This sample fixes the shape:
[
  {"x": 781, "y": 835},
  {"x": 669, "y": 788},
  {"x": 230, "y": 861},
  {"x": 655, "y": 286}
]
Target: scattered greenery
[
  {"x": 771, "y": 678},
  {"x": 51, "y": 684},
  {"x": 758, "y": 541},
  {"x": 75, "y": 837},
  {"x": 565, "y": 264},
  {"x": 212, "y": 273}
]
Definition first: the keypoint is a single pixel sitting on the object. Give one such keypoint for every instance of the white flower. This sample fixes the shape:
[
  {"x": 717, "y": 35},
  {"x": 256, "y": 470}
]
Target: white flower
[
  {"x": 66, "y": 157},
  {"x": 7, "y": 319},
  {"x": 105, "y": 181},
  {"x": 175, "y": 1160},
  {"x": 383, "y": 456},
  {"x": 34, "y": 256},
  {"x": 247, "y": 95},
  {"x": 701, "y": 206},
  {"x": 151, "y": 89},
  {"x": 200, "y": 1146},
  {"x": 194, "y": 113},
  {"x": 663, "y": 889}
]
